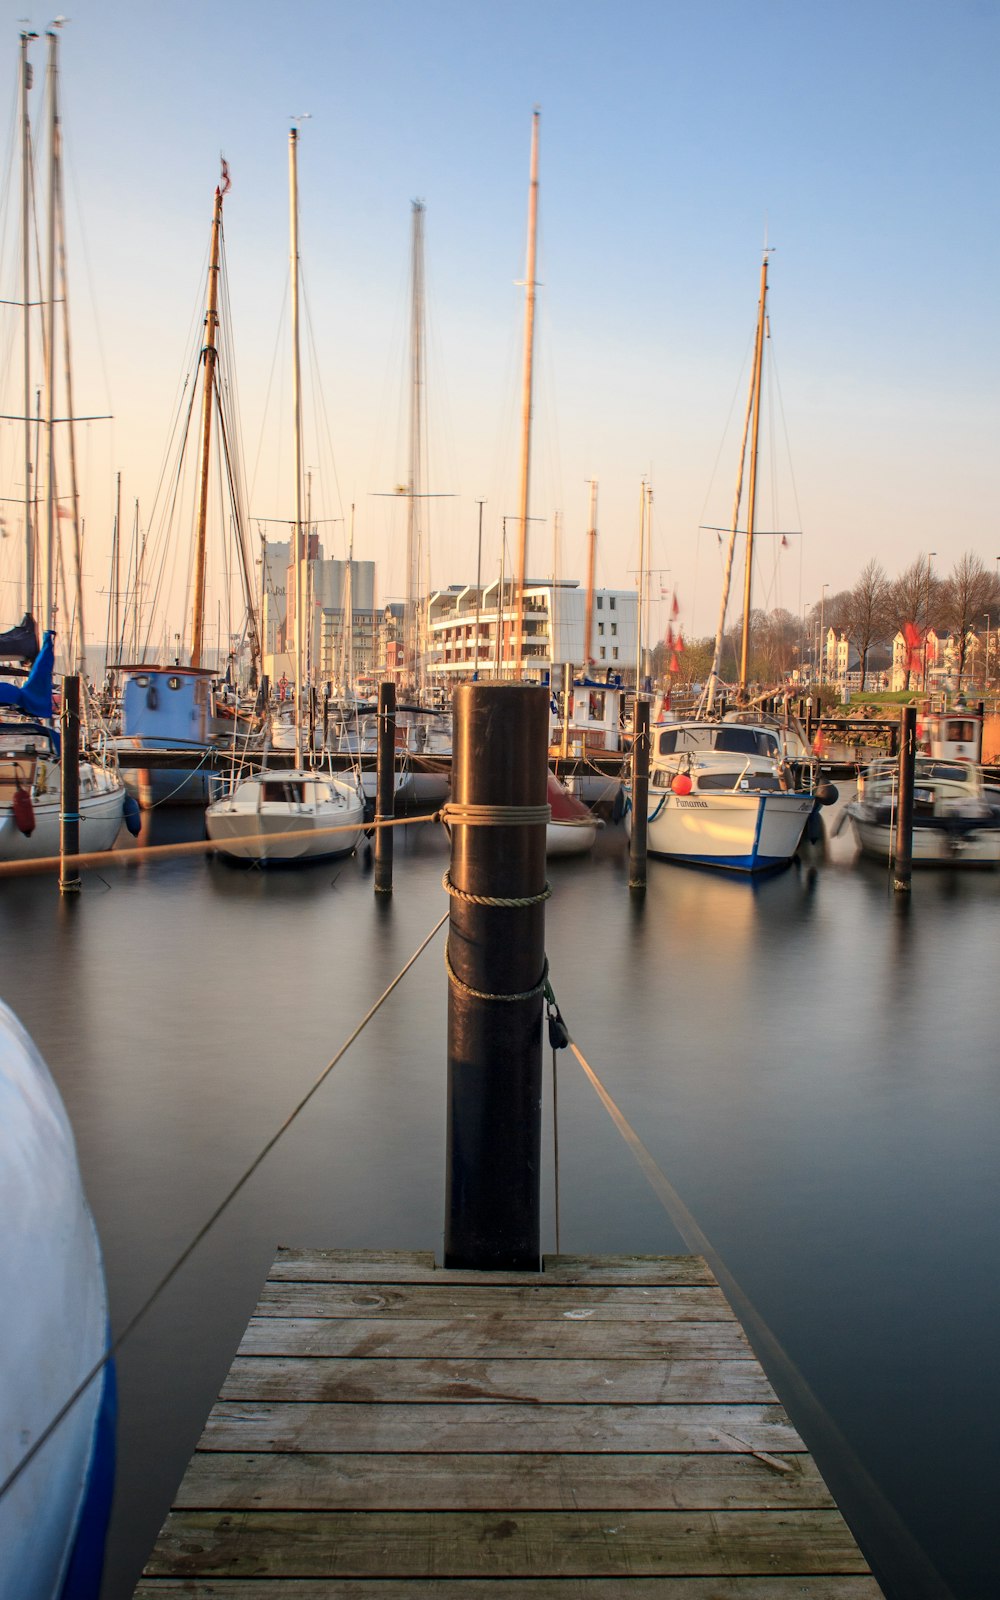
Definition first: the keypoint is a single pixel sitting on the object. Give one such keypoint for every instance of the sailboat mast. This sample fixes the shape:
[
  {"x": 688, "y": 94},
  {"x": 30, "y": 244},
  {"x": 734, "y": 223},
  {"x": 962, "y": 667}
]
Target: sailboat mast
[
  {"x": 299, "y": 565},
  {"x": 29, "y": 530},
  {"x": 638, "y": 614},
  {"x": 209, "y": 357},
  {"x": 48, "y": 564},
  {"x": 526, "y": 398},
  {"x": 713, "y": 677},
  {"x": 752, "y": 495},
  {"x": 411, "y": 627},
  {"x": 588, "y": 621},
  {"x": 78, "y": 629}
]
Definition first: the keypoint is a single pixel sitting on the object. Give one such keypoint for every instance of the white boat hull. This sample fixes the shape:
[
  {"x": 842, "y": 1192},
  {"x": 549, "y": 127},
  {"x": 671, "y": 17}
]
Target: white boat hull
[
  {"x": 247, "y": 826},
  {"x": 100, "y": 821},
  {"x": 570, "y": 838},
  {"x": 751, "y": 831},
  {"x": 52, "y": 1519},
  {"x": 930, "y": 846}
]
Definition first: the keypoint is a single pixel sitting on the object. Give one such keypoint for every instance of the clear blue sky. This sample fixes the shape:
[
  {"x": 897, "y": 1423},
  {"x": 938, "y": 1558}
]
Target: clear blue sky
[{"x": 860, "y": 138}]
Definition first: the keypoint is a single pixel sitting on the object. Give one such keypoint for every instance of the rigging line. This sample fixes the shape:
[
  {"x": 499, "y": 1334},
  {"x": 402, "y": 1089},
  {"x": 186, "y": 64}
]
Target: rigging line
[
  {"x": 205, "y": 1229},
  {"x": 868, "y": 1508}
]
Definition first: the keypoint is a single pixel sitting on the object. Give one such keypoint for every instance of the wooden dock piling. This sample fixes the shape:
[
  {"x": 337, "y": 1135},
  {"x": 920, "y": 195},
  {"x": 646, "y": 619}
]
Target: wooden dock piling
[
  {"x": 393, "y": 1429},
  {"x": 385, "y": 793},
  {"x": 69, "y": 785}
]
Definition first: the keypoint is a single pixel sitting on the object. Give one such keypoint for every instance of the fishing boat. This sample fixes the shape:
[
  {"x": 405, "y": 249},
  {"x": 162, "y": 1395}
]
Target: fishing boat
[
  {"x": 298, "y": 815},
  {"x": 54, "y": 1513},
  {"x": 956, "y": 822},
  {"x": 179, "y": 706}
]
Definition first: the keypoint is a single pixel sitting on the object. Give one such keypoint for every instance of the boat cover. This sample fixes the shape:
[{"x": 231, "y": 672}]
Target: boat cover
[
  {"x": 20, "y": 643},
  {"x": 34, "y": 696}
]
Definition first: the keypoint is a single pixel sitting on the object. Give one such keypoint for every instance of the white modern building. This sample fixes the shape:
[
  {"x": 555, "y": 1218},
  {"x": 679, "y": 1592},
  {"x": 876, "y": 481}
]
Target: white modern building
[{"x": 473, "y": 631}]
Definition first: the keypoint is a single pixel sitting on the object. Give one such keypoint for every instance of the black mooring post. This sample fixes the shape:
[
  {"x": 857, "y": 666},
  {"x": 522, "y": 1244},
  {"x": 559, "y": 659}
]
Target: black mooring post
[
  {"x": 493, "y": 1195},
  {"x": 640, "y": 797},
  {"x": 69, "y": 815},
  {"x": 385, "y": 786},
  {"x": 903, "y": 869}
]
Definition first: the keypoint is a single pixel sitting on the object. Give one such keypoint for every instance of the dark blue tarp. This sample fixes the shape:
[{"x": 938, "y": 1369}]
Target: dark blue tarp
[{"x": 34, "y": 695}]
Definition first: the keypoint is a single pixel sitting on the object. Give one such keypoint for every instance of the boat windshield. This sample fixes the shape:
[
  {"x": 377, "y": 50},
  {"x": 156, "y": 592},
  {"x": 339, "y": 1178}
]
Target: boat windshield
[{"x": 739, "y": 740}]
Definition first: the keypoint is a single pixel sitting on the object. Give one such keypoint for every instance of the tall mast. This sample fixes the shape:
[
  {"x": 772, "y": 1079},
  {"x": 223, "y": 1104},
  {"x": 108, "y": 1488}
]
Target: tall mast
[
  {"x": 299, "y": 565},
  {"x": 48, "y": 563},
  {"x": 60, "y": 214},
  {"x": 752, "y": 496},
  {"x": 588, "y": 621},
  {"x": 29, "y": 530},
  {"x": 209, "y": 357},
  {"x": 526, "y": 397},
  {"x": 638, "y": 614},
  {"x": 411, "y": 626},
  {"x": 713, "y": 677}
]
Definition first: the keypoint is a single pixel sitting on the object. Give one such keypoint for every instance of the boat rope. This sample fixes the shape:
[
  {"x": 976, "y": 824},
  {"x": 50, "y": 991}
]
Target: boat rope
[
  {"x": 873, "y": 1520},
  {"x": 472, "y": 816},
  {"x": 558, "y": 1040},
  {"x": 206, "y": 1228},
  {"x": 481, "y": 994},
  {"x": 514, "y": 902}
]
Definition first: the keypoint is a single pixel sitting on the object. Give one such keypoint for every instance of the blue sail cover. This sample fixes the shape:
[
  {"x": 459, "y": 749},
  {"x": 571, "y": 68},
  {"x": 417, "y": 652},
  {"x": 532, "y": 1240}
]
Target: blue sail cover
[{"x": 34, "y": 696}]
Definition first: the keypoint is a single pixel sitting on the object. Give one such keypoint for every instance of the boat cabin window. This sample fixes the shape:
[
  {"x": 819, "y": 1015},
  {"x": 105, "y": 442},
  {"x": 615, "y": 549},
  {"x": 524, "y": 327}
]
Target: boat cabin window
[
  {"x": 595, "y": 706},
  {"x": 173, "y": 683},
  {"x": 744, "y": 780},
  {"x": 958, "y": 731},
  {"x": 730, "y": 736},
  {"x": 142, "y": 680},
  {"x": 285, "y": 790},
  {"x": 951, "y": 772}
]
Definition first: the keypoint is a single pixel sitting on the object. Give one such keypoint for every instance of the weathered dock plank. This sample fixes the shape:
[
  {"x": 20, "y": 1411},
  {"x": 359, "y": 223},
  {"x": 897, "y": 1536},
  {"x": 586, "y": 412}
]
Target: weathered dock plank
[{"x": 391, "y": 1429}]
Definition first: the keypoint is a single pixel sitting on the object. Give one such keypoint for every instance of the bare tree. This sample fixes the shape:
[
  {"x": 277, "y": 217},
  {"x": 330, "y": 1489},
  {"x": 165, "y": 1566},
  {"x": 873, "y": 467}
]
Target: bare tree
[
  {"x": 966, "y": 596},
  {"x": 914, "y": 598},
  {"x": 865, "y": 616}
]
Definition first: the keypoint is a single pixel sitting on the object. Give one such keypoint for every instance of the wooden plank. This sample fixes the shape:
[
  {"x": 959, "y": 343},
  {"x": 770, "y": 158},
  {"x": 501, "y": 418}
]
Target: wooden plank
[
  {"x": 497, "y": 1336},
  {"x": 814, "y": 1587},
  {"x": 348, "y": 1266},
  {"x": 531, "y": 1428},
  {"x": 554, "y": 1381},
  {"x": 296, "y": 1482},
  {"x": 628, "y": 1303},
  {"x": 475, "y": 1544}
]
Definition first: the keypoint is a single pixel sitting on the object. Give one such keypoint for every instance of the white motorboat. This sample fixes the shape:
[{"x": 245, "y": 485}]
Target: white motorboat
[
  {"x": 955, "y": 822},
  {"x": 571, "y": 829},
  {"x": 287, "y": 816},
  {"x": 722, "y": 794}
]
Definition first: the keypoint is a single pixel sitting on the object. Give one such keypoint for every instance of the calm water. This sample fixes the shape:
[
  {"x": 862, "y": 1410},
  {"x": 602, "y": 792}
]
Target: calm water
[{"x": 814, "y": 1067}]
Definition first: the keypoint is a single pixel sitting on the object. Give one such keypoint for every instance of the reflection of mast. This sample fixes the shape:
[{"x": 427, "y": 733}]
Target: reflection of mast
[
  {"x": 411, "y": 624},
  {"x": 526, "y": 399},
  {"x": 752, "y": 496},
  {"x": 209, "y": 357}
]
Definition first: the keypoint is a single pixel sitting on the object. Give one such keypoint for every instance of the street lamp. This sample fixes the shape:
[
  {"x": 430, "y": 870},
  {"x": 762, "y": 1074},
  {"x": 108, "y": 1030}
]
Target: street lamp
[
  {"x": 822, "y": 634},
  {"x": 986, "y": 672}
]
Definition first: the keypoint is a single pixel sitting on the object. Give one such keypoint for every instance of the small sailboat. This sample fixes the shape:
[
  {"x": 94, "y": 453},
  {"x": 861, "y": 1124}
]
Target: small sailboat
[
  {"x": 571, "y": 829},
  {"x": 298, "y": 815}
]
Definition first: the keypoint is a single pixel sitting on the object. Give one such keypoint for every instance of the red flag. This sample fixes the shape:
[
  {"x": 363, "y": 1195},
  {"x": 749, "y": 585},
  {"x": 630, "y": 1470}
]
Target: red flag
[
  {"x": 669, "y": 641},
  {"x": 226, "y": 184},
  {"x": 680, "y": 644},
  {"x": 675, "y": 665},
  {"x": 913, "y": 640},
  {"x": 784, "y": 542},
  {"x": 675, "y": 608}
]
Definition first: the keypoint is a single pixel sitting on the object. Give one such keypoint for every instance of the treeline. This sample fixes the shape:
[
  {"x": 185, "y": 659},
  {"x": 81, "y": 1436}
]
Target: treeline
[{"x": 869, "y": 616}]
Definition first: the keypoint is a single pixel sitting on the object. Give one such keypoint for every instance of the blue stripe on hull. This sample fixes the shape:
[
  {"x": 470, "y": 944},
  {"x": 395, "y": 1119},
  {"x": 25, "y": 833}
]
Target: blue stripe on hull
[
  {"x": 748, "y": 864},
  {"x": 86, "y": 1562}
]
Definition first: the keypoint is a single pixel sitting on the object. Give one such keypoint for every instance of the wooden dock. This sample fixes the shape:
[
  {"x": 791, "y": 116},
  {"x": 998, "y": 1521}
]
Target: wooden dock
[{"x": 393, "y": 1429}]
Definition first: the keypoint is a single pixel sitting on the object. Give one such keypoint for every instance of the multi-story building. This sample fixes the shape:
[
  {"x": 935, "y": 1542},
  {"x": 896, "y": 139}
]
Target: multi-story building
[{"x": 470, "y": 631}]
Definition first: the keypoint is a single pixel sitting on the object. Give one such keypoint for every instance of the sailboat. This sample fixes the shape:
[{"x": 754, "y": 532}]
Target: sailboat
[
  {"x": 730, "y": 793},
  {"x": 298, "y": 815},
  {"x": 176, "y": 705},
  {"x": 30, "y": 768}
]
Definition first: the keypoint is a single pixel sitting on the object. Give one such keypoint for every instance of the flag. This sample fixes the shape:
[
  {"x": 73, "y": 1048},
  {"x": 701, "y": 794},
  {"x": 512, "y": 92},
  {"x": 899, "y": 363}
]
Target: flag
[
  {"x": 680, "y": 644},
  {"x": 913, "y": 640},
  {"x": 226, "y": 183},
  {"x": 784, "y": 542},
  {"x": 669, "y": 641},
  {"x": 675, "y": 665},
  {"x": 675, "y": 608}
]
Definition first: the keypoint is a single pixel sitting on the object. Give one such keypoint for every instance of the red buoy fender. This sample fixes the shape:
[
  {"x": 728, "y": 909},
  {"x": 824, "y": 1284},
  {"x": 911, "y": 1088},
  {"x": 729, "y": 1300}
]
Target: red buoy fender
[{"x": 24, "y": 811}]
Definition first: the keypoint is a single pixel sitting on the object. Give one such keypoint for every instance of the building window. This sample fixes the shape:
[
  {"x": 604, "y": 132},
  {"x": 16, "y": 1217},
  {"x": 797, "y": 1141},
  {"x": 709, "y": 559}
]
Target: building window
[
  {"x": 600, "y": 602},
  {"x": 611, "y": 602},
  {"x": 614, "y": 653},
  {"x": 603, "y": 653},
  {"x": 600, "y": 629},
  {"x": 614, "y": 629}
]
